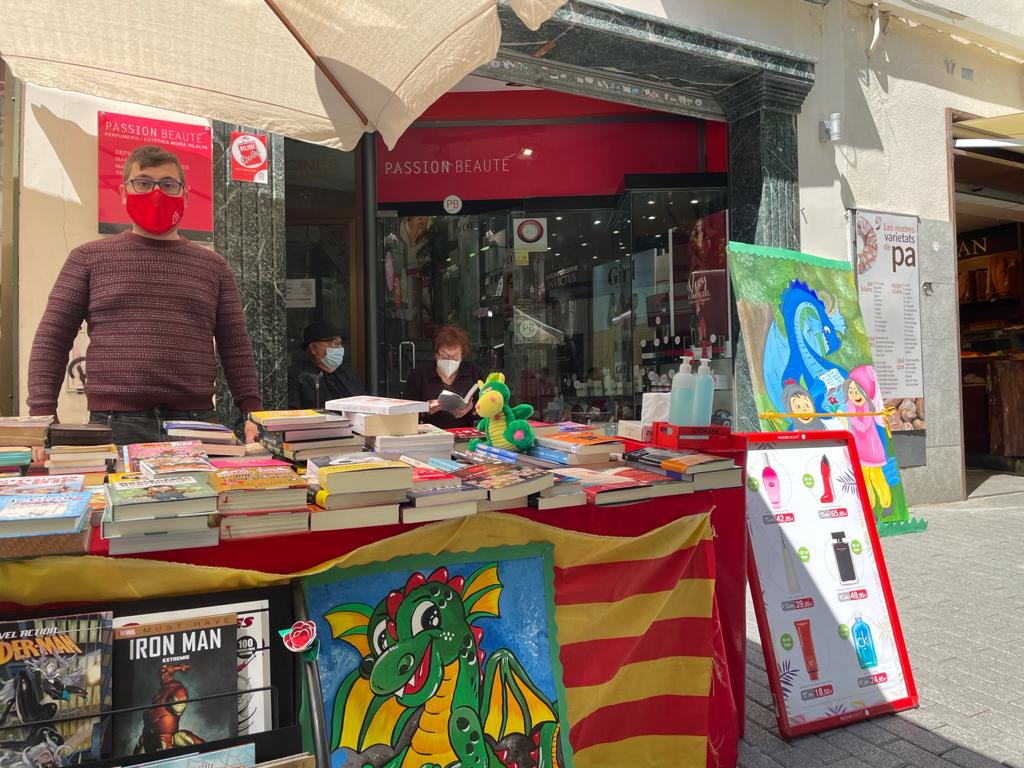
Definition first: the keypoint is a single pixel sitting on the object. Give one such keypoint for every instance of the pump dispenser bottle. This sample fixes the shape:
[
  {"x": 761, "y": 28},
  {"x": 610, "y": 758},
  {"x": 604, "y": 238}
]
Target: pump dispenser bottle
[
  {"x": 703, "y": 394},
  {"x": 680, "y": 411}
]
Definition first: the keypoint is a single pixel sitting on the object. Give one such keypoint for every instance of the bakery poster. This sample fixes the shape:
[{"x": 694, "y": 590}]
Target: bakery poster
[
  {"x": 119, "y": 135},
  {"x": 888, "y": 286},
  {"x": 833, "y": 645}
]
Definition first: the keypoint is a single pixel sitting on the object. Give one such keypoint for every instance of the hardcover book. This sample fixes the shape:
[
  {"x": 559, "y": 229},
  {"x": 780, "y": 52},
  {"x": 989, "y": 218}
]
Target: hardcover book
[
  {"x": 505, "y": 481},
  {"x": 256, "y": 479},
  {"x": 36, "y": 515},
  {"x": 275, "y": 420},
  {"x": 182, "y": 675},
  {"x": 252, "y": 655},
  {"x": 54, "y": 685},
  {"x": 170, "y": 496},
  {"x": 581, "y": 442},
  {"x": 175, "y": 466}
]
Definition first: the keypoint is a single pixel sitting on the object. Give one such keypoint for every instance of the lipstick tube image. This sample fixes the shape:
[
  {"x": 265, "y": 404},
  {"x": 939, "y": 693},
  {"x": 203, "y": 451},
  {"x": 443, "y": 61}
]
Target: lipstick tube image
[{"x": 803, "y": 634}]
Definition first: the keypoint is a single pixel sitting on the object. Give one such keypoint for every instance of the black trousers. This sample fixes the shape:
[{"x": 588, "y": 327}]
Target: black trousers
[{"x": 144, "y": 426}]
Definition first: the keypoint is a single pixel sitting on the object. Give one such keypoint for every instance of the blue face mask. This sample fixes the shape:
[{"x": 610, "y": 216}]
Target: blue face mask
[{"x": 332, "y": 358}]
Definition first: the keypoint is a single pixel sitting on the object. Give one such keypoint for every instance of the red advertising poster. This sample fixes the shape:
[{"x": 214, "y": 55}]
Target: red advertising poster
[
  {"x": 118, "y": 135},
  {"x": 249, "y": 157},
  {"x": 830, "y": 633}
]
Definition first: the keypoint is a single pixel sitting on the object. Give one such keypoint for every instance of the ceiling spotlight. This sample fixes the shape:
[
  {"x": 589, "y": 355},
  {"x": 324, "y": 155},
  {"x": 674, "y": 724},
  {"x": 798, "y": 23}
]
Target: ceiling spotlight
[
  {"x": 595, "y": 258},
  {"x": 651, "y": 218},
  {"x": 695, "y": 201},
  {"x": 527, "y": 152},
  {"x": 558, "y": 218},
  {"x": 597, "y": 221},
  {"x": 557, "y": 254},
  {"x": 583, "y": 244},
  {"x": 615, "y": 231},
  {"x": 650, "y": 202}
]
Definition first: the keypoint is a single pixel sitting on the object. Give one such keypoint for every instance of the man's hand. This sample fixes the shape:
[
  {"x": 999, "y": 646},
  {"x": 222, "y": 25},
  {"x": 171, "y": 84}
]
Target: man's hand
[
  {"x": 252, "y": 432},
  {"x": 38, "y": 454},
  {"x": 433, "y": 406}
]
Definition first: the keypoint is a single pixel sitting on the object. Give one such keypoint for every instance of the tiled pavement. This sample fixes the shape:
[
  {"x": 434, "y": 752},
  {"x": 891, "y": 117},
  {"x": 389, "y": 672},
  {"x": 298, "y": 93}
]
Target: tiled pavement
[{"x": 960, "y": 593}]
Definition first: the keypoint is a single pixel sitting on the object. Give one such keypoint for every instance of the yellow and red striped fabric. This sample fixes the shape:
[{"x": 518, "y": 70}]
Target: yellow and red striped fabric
[{"x": 635, "y": 621}]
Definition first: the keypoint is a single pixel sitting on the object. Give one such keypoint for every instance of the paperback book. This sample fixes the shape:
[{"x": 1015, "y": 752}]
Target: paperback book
[
  {"x": 135, "y": 453},
  {"x": 386, "y": 406},
  {"x": 135, "y": 499},
  {"x": 54, "y": 687}
]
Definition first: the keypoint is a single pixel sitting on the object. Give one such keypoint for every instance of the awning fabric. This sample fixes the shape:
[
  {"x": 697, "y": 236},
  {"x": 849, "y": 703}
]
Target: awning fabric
[{"x": 251, "y": 62}]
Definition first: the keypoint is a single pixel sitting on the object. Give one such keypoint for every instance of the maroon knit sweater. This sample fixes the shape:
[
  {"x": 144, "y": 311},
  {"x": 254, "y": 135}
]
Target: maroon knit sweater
[{"x": 154, "y": 309}]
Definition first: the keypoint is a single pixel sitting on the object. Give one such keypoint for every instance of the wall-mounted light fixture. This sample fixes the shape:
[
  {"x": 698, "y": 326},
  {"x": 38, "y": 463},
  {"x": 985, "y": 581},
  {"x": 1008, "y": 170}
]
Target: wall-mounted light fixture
[
  {"x": 821, "y": 3},
  {"x": 831, "y": 129}
]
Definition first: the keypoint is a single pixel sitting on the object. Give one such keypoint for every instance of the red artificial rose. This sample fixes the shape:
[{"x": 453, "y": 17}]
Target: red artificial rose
[{"x": 301, "y": 636}]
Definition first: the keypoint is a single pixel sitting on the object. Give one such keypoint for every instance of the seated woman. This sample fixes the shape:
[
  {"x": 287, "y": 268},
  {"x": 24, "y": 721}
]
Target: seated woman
[
  {"x": 320, "y": 377},
  {"x": 450, "y": 369}
]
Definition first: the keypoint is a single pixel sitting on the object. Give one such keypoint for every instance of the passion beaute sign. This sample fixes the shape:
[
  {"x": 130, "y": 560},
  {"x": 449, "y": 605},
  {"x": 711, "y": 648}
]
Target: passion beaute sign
[{"x": 495, "y": 162}]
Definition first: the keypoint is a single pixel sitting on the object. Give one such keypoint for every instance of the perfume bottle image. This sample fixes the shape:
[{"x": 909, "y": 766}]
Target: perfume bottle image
[
  {"x": 792, "y": 582},
  {"x": 803, "y": 634},
  {"x": 770, "y": 480},
  {"x": 863, "y": 643},
  {"x": 826, "y": 481},
  {"x": 844, "y": 560}
]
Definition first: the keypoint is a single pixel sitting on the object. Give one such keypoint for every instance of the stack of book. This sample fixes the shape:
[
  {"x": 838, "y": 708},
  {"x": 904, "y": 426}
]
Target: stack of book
[
  {"x": 603, "y": 488},
  {"x": 566, "y": 492},
  {"x": 301, "y": 435},
  {"x": 157, "y": 515},
  {"x": 23, "y": 431},
  {"x": 78, "y": 459},
  {"x": 43, "y": 516},
  {"x": 260, "y": 501},
  {"x": 508, "y": 486},
  {"x": 13, "y": 458},
  {"x": 694, "y": 470},
  {"x": 357, "y": 490},
  {"x": 463, "y": 436},
  {"x": 573, "y": 449},
  {"x": 390, "y": 426},
  {"x": 215, "y": 439},
  {"x": 438, "y": 495},
  {"x": 426, "y": 443}
]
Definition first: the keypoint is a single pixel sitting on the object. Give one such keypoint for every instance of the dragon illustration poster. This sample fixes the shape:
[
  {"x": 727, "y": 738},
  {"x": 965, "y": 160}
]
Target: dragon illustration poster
[
  {"x": 811, "y": 366},
  {"x": 442, "y": 660}
]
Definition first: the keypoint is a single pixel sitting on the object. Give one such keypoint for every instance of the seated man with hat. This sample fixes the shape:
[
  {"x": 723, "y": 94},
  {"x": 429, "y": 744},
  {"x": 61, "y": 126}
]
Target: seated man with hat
[{"x": 320, "y": 377}]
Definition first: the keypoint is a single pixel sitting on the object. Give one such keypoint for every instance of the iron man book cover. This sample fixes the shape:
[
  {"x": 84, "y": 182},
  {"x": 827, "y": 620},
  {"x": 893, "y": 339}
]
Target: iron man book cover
[
  {"x": 54, "y": 681},
  {"x": 181, "y": 676}
]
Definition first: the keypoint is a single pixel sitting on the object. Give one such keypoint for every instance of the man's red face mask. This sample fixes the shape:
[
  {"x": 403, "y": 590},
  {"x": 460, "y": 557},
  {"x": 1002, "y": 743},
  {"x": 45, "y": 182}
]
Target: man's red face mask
[{"x": 155, "y": 211}]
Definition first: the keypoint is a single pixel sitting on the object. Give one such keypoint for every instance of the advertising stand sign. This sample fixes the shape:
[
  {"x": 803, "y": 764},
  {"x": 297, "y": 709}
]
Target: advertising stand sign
[{"x": 831, "y": 636}]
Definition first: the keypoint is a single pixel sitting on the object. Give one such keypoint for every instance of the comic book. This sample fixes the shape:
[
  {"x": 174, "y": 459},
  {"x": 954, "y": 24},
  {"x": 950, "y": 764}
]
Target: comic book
[
  {"x": 177, "y": 672},
  {"x": 54, "y": 685},
  {"x": 252, "y": 657}
]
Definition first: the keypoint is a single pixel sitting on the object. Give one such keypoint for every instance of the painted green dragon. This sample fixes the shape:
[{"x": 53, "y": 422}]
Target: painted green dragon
[{"x": 425, "y": 694}]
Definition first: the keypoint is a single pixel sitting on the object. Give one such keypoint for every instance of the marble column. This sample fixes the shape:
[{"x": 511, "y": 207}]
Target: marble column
[
  {"x": 764, "y": 189},
  {"x": 249, "y": 232}
]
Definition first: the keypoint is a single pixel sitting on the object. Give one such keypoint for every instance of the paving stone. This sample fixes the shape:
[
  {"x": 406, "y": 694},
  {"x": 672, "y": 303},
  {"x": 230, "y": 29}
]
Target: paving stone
[
  {"x": 968, "y": 759},
  {"x": 927, "y": 740},
  {"x": 765, "y": 741},
  {"x": 915, "y": 756},
  {"x": 874, "y": 756}
]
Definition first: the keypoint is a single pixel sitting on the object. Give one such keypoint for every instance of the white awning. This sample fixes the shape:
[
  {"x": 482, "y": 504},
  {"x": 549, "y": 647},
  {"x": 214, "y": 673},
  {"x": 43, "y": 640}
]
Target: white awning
[{"x": 323, "y": 71}]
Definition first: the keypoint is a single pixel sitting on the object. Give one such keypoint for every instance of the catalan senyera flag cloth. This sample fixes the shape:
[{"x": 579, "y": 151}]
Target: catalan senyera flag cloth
[{"x": 641, "y": 651}]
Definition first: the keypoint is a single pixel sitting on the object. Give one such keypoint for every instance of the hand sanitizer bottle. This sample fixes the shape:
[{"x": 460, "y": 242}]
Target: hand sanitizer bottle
[
  {"x": 703, "y": 395},
  {"x": 680, "y": 411}
]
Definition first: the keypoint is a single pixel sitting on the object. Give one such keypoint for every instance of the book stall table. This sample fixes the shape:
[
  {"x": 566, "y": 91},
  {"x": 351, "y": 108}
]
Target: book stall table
[{"x": 714, "y": 521}]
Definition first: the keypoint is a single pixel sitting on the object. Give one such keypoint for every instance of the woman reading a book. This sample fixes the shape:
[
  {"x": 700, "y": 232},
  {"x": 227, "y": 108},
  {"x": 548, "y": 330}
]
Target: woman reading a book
[{"x": 450, "y": 372}]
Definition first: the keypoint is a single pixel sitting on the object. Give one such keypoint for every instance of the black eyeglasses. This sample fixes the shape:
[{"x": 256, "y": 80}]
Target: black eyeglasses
[{"x": 142, "y": 185}]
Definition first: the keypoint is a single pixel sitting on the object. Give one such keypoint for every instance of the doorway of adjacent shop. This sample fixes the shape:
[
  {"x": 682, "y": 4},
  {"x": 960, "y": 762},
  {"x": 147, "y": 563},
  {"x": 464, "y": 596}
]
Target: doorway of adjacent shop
[
  {"x": 324, "y": 263},
  {"x": 988, "y": 182}
]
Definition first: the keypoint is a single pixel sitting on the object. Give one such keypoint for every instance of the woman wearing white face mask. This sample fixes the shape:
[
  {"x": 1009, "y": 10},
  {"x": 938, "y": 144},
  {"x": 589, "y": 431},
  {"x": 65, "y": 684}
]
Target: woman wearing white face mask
[
  {"x": 320, "y": 377},
  {"x": 449, "y": 370}
]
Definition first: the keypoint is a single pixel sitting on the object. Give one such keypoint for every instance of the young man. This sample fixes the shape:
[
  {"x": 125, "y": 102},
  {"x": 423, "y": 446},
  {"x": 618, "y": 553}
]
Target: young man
[
  {"x": 320, "y": 377},
  {"x": 155, "y": 305}
]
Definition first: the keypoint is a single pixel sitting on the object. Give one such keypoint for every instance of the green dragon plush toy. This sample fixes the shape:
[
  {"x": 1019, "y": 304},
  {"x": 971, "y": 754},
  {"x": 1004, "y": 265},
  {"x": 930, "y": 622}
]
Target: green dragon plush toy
[{"x": 503, "y": 426}]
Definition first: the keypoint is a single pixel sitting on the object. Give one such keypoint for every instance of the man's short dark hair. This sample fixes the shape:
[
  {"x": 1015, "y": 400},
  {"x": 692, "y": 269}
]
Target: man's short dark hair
[{"x": 149, "y": 156}]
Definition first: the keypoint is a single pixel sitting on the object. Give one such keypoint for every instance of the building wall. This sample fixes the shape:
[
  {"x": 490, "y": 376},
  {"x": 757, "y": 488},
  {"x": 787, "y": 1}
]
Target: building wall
[
  {"x": 893, "y": 155},
  {"x": 58, "y": 205}
]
